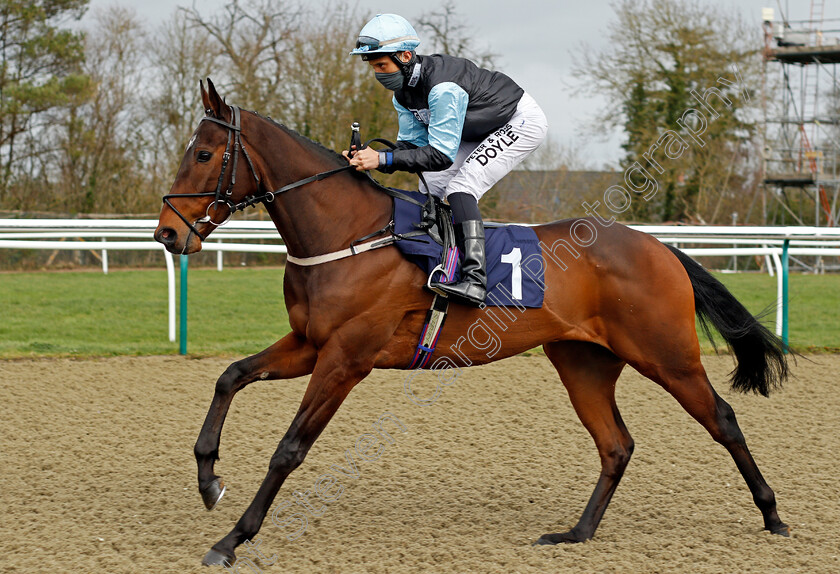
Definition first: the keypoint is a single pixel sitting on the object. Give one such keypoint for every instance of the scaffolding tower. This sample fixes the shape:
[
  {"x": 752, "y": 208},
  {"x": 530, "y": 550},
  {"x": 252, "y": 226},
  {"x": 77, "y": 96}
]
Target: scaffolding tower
[{"x": 801, "y": 109}]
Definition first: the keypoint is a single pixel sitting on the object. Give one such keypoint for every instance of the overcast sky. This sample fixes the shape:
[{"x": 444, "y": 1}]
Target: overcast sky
[{"x": 536, "y": 40}]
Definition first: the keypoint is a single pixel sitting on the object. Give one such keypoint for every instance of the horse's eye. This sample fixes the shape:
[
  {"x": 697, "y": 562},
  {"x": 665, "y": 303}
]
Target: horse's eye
[{"x": 204, "y": 156}]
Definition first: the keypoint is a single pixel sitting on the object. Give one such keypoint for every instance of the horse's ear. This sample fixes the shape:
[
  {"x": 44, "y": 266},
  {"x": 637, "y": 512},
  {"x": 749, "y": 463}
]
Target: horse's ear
[
  {"x": 205, "y": 98},
  {"x": 214, "y": 104}
]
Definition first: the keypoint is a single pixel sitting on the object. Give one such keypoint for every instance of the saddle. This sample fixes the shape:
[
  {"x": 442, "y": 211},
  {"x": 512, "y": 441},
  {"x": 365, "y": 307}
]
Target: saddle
[
  {"x": 425, "y": 236},
  {"x": 436, "y": 220}
]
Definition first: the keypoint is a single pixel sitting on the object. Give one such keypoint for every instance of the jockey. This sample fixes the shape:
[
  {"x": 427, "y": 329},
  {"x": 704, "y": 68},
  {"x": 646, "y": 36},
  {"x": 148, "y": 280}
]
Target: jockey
[{"x": 461, "y": 126}]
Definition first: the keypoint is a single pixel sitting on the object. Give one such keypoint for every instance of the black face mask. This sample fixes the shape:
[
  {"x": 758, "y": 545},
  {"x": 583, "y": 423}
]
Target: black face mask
[{"x": 393, "y": 81}]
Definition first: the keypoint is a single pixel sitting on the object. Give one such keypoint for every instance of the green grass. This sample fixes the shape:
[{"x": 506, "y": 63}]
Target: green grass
[
  {"x": 814, "y": 311},
  {"x": 241, "y": 311},
  {"x": 236, "y": 312}
]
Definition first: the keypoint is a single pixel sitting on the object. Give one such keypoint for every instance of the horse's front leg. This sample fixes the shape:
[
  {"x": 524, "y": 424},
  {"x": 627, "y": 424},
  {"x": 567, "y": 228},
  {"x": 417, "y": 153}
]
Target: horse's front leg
[
  {"x": 290, "y": 357},
  {"x": 337, "y": 371}
]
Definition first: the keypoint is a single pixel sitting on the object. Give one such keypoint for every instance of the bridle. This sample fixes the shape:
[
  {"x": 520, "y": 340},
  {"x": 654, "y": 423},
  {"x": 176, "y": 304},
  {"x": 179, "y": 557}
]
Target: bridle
[
  {"x": 234, "y": 130},
  {"x": 233, "y": 139}
]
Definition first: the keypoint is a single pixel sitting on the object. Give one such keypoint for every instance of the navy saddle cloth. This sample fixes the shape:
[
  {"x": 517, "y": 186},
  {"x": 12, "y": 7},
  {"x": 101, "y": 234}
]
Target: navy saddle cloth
[{"x": 506, "y": 245}]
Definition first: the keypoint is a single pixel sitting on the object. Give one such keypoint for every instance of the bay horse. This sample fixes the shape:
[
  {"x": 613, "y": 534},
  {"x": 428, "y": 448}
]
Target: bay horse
[{"x": 623, "y": 299}]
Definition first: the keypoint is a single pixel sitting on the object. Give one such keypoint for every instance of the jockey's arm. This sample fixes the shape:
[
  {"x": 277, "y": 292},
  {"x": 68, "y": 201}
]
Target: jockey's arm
[{"x": 434, "y": 148}]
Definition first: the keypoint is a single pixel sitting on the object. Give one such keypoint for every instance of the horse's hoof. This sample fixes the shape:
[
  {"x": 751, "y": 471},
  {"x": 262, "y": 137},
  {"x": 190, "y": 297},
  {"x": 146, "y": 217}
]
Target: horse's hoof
[
  {"x": 559, "y": 538},
  {"x": 781, "y": 530},
  {"x": 213, "y": 493},
  {"x": 216, "y": 558},
  {"x": 542, "y": 541}
]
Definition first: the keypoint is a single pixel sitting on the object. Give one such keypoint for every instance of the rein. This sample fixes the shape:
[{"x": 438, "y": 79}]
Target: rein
[{"x": 234, "y": 131}]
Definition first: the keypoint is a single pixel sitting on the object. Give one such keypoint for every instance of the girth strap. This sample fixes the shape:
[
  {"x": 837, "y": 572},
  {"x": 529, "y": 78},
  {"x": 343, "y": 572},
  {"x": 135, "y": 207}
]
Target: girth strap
[
  {"x": 341, "y": 254},
  {"x": 357, "y": 246}
]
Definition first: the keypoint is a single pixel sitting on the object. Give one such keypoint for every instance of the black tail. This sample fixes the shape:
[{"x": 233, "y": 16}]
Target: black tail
[{"x": 762, "y": 364}]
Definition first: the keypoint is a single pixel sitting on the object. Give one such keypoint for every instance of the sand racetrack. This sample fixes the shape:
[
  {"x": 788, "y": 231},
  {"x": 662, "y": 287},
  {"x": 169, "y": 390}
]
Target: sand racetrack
[{"x": 98, "y": 474}]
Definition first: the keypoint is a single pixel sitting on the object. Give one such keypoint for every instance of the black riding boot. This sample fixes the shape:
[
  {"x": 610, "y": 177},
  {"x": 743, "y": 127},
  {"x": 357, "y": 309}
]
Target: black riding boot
[{"x": 473, "y": 285}]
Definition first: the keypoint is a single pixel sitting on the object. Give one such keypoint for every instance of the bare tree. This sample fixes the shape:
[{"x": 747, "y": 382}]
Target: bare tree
[
  {"x": 338, "y": 89},
  {"x": 100, "y": 147},
  {"x": 445, "y": 31},
  {"x": 255, "y": 39},
  {"x": 180, "y": 56}
]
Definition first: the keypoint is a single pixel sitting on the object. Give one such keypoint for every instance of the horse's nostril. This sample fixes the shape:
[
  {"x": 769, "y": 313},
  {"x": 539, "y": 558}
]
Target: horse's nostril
[{"x": 166, "y": 235}]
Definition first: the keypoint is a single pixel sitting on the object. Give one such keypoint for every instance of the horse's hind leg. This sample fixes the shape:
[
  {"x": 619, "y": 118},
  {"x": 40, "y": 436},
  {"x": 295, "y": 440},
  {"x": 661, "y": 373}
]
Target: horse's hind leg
[
  {"x": 691, "y": 387},
  {"x": 292, "y": 356},
  {"x": 589, "y": 373}
]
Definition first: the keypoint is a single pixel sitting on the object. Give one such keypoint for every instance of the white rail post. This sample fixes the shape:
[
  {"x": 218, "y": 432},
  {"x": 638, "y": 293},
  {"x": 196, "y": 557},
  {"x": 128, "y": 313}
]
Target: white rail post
[
  {"x": 768, "y": 262},
  {"x": 734, "y": 257},
  {"x": 170, "y": 278},
  {"x": 777, "y": 261},
  {"x": 104, "y": 259}
]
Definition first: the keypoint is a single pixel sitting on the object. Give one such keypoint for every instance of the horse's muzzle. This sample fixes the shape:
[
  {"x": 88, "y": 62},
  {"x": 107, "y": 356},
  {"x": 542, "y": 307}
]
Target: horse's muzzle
[{"x": 170, "y": 239}]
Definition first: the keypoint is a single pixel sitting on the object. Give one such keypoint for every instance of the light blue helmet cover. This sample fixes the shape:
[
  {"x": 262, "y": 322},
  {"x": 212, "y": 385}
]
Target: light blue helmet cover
[{"x": 386, "y": 34}]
